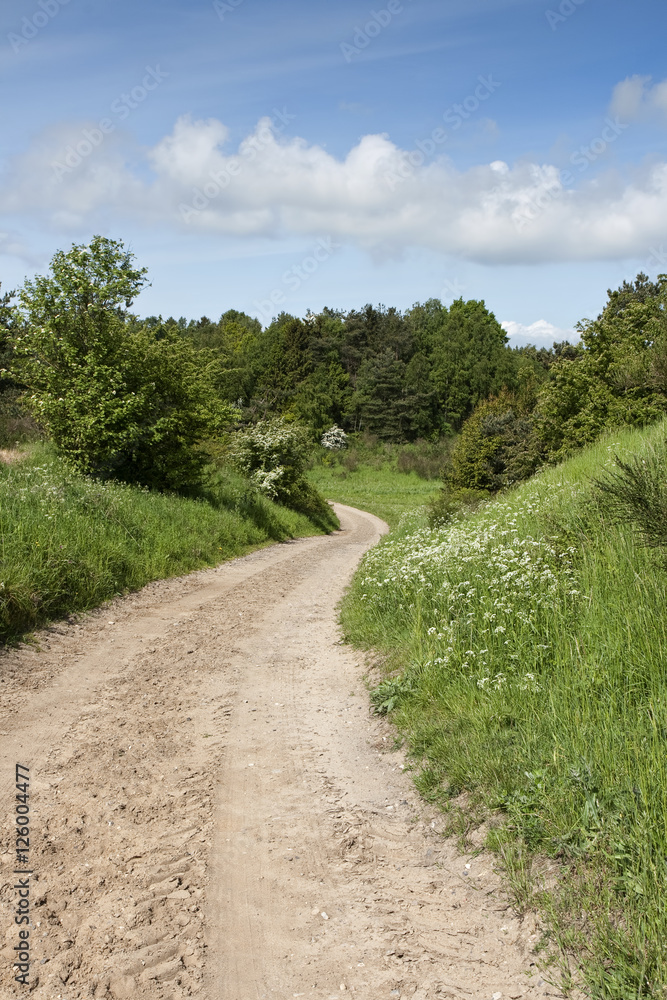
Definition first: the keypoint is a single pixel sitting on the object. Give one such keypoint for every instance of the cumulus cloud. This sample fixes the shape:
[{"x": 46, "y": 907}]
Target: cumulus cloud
[
  {"x": 541, "y": 333},
  {"x": 635, "y": 99},
  {"x": 378, "y": 197}
]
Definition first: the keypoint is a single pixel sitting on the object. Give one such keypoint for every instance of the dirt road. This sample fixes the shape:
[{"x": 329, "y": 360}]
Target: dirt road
[{"x": 216, "y": 814}]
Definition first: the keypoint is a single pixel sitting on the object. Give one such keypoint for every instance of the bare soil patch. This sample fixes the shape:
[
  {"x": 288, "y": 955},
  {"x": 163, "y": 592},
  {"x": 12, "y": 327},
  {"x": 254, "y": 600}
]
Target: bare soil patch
[{"x": 9, "y": 456}]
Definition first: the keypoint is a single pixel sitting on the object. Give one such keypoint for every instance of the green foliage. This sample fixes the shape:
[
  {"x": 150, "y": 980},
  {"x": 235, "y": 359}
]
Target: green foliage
[
  {"x": 70, "y": 542},
  {"x": 272, "y": 454},
  {"x": 498, "y": 445},
  {"x": 388, "y": 693},
  {"x": 429, "y": 459},
  {"x": 386, "y": 479},
  {"x": 619, "y": 377},
  {"x": 399, "y": 376},
  {"x": 323, "y": 396},
  {"x": 636, "y": 494},
  {"x": 5, "y": 347},
  {"x": 451, "y": 503},
  {"x": 532, "y": 637},
  {"x": 285, "y": 363},
  {"x": 119, "y": 401},
  {"x": 17, "y": 427},
  {"x": 16, "y": 424},
  {"x": 377, "y": 402},
  {"x": 470, "y": 360}
]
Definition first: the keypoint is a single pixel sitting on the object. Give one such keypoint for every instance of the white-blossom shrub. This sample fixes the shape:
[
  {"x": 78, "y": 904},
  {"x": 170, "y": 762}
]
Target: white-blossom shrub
[
  {"x": 272, "y": 455},
  {"x": 335, "y": 439}
]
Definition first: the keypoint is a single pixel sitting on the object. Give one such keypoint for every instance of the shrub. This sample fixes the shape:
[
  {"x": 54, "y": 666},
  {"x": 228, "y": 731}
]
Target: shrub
[
  {"x": 335, "y": 439},
  {"x": 618, "y": 378},
  {"x": 427, "y": 459},
  {"x": 272, "y": 454},
  {"x": 637, "y": 495},
  {"x": 450, "y": 503},
  {"x": 16, "y": 424},
  {"x": 497, "y": 446}
]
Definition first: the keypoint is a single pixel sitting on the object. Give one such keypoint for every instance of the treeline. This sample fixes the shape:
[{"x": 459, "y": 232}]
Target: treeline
[
  {"x": 137, "y": 398},
  {"x": 433, "y": 371},
  {"x": 400, "y": 376}
]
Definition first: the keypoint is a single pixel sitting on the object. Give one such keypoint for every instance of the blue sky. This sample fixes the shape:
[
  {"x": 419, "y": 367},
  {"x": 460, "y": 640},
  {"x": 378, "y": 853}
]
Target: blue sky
[{"x": 266, "y": 156}]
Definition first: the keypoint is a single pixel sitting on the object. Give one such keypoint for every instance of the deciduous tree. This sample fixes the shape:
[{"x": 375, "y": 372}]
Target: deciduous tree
[{"x": 119, "y": 400}]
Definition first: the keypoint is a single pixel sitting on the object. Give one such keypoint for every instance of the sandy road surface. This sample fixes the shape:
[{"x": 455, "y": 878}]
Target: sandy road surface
[{"x": 215, "y": 813}]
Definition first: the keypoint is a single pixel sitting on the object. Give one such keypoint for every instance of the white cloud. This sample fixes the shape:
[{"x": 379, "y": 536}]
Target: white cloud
[
  {"x": 634, "y": 99},
  {"x": 379, "y": 197},
  {"x": 540, "y": 333}
]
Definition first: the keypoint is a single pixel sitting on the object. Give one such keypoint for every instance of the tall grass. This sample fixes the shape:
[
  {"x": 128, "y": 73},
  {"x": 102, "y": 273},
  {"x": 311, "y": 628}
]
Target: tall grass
[
  {"x": 69, "y": 542},
  {"x": 532, "y": 638}
]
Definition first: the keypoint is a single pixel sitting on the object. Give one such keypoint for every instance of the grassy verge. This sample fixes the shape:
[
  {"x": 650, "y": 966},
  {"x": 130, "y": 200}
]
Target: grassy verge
[
  {"x": 532, "y": 642},
  {"x": 70, "y": 543},
  {"x": 387, "y": 480}
]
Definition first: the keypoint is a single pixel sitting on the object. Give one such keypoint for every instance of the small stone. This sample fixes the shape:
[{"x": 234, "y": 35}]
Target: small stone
[{"x": 324, "y": 915}]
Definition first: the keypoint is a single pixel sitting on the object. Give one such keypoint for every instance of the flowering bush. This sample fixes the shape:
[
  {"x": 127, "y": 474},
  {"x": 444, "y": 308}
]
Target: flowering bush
[
  {"x": 272, "y": 455},
  {"x": 335, "y": 439}
]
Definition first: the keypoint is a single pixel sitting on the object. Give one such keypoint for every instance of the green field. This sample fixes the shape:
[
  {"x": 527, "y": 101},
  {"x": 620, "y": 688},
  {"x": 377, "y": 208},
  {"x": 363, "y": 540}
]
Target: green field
[
  {"x": 528, "y": 644},
  {"x": 70, "y": 542},
  {"x": 383, "y": 492},
  {"x": 372, "y": 480}
]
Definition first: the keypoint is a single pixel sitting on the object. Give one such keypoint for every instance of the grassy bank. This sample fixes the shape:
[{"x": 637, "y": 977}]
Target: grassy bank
[
  {"x": 531, "y": 640},
  {"x": 70, "y": 542},
  {"x": 387, "y": 480}
]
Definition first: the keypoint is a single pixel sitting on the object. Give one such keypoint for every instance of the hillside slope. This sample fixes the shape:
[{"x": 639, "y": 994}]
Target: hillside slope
[
  {"x": 529, "y": 644},
  {"x": 70, "y": 542}
]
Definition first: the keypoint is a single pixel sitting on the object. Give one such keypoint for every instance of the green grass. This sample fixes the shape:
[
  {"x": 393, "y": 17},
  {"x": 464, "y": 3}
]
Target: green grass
[
  {"x": 532, "y": 642},
  {"x": 384, "y": 479},
  {"x": 384, "y": 492},
  {"x": 68, "y": 542}
]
